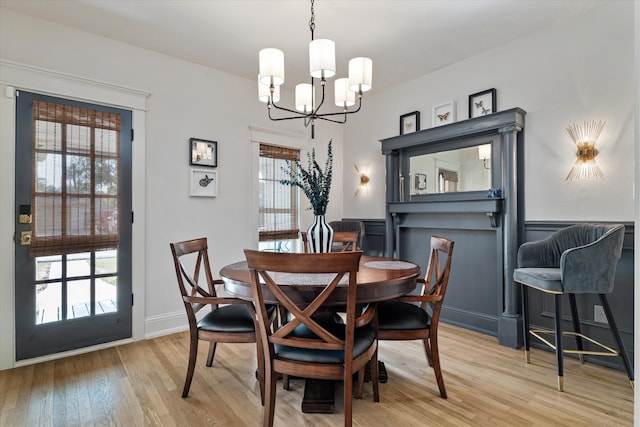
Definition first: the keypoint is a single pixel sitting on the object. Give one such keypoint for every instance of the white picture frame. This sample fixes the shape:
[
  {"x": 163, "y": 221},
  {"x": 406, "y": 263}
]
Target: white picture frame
[
  {"x": 203, "y": 183},
  {"x": 444, "y": 114}
]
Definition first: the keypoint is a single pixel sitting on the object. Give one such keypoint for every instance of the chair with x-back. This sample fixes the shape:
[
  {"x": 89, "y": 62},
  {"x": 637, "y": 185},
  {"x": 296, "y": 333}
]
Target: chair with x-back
[
  {"x": 229, "y": 320},
  {"x": 304, "y": 346},
  {"x": 403, "y": 319},
  {"x": 348, "y": 226},
  {"x": 343, "y": 241}
]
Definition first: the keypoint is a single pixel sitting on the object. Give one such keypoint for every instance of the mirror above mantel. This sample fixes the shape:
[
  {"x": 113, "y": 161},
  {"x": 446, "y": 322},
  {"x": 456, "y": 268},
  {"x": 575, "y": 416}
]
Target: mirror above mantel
[{"x": 457, "y": 170}]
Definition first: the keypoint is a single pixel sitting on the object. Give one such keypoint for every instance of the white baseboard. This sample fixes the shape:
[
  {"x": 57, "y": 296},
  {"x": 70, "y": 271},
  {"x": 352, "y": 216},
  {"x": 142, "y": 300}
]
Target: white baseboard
[{"x": 165, "y": 324}]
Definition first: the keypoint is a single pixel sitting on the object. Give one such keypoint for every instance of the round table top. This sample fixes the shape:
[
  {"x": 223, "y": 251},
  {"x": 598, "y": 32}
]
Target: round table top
[{"x": 379, "y": 279}]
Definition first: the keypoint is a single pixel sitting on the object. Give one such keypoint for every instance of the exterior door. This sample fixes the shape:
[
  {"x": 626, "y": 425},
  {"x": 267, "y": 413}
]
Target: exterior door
[{"x": 73, "y": 225}]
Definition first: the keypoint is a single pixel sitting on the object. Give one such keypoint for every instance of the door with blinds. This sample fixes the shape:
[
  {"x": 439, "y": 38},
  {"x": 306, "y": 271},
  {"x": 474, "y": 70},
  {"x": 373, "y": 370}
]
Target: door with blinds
[{"x": 73, "y": 225}]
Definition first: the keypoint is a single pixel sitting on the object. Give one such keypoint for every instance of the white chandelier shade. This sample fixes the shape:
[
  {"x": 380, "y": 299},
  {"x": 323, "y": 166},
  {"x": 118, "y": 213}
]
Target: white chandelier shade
[
  {"x": 271, "y": 66},
  {"x": 343, "y": 96},
  {"x": 264, "y": 92},
  {"x": 305, "y": 94},
  {"x": 322, "y": 58},
  {"x": 360, "y": 74}
]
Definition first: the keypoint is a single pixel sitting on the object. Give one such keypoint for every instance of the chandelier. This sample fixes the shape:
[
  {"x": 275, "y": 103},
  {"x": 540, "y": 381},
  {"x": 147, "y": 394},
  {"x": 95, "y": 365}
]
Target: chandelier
[{"x": 322, "y": 65}]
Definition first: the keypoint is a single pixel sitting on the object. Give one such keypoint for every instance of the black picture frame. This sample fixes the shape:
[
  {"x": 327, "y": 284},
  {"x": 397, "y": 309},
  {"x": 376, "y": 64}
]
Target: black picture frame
[
  {"x": 203, "y": 152},
  {"x": 482, "y": 103},
  {"x": 410, "y": 122}
]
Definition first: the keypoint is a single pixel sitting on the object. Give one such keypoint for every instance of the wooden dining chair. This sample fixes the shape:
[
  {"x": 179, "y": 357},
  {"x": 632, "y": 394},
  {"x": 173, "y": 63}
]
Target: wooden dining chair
[
  {"x": 350, "y": 225},
  {"x": 402, "y": 319},
  {"x": 305, "y": 346},
  {"x": 349, "y": 240},
  {"x": 229, "y": 320}
]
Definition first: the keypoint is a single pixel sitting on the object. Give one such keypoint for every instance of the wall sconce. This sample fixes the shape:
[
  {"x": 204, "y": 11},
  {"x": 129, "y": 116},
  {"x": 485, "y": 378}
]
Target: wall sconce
[
  {"x": 585, "y": 138},
  {"x": 363, "y": 173},
  {"x": 484, "y": 154}
]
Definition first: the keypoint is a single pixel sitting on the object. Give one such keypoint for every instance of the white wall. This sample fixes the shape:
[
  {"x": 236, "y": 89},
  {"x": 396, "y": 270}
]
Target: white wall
[
  {"x": 580, "y": 70},
  {"x": 186, "y": 100}
]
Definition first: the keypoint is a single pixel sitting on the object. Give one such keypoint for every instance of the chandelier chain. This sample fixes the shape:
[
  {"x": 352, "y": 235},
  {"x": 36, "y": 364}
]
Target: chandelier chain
[{"x": 312, "y": 21}]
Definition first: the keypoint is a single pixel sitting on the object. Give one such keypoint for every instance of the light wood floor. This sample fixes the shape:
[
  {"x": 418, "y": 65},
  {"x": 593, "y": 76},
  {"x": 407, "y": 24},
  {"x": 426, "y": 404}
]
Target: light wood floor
[{"x": 140, "y": 384}]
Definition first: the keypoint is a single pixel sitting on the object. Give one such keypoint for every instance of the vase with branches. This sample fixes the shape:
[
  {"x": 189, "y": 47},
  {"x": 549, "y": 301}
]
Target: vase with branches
[{"x": 315, "y": 183}]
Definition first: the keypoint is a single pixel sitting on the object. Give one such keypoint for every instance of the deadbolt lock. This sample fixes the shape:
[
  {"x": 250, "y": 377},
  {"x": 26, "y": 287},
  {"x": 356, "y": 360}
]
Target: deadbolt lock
[
  {"x": 25, "y": 238},
  {"x": 24, "y": 219}
]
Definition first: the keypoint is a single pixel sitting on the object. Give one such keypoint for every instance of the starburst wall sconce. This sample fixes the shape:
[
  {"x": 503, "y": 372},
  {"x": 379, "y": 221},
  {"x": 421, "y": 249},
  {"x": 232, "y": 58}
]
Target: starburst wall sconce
[
  {"x": 585, "y": 137},
  {"x": 363, "y": 173}
]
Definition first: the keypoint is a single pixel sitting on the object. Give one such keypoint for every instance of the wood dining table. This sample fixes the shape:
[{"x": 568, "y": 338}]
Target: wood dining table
[{"x": 379, "y": 279}]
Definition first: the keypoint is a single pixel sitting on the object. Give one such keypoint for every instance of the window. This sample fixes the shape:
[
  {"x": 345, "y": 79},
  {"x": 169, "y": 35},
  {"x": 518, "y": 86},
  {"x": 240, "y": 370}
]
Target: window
[{"x": 278, "y": 216}]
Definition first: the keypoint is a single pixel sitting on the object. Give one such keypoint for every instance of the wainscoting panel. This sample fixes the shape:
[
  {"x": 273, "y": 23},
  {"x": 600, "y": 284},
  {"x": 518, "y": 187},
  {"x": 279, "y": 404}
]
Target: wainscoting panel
[{"x": 474, "y": 294}]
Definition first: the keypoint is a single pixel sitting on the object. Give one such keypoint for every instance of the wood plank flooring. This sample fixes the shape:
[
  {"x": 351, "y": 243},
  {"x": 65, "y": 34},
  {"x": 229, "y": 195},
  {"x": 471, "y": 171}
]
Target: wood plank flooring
[{"x": 140, "y": 384}]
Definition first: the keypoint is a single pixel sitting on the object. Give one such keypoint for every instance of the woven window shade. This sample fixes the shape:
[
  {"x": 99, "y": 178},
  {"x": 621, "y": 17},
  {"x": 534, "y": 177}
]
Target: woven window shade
[
  {"x": 278, "y": 203},
  {"x": 75, "y": 181}
]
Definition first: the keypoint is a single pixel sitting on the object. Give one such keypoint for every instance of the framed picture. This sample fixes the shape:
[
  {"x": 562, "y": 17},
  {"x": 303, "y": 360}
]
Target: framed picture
[
  {"x": 203, "y": 183},
  {"x": 444, "y": 114},
  {"x": 482, "y": 103},
  {"x": 420, "y": 181},
  {"x": 410, "y": 122},
  {"x": 203, "y": 152}
]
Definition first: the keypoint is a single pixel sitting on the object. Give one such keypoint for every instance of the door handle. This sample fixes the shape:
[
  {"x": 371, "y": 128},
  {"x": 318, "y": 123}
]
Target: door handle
[{"x": 25, "y": 238}]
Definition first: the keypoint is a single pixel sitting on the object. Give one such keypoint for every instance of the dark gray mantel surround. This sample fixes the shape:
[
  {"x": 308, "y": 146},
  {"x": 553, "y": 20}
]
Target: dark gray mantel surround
[{"x": 494, "y": 226}]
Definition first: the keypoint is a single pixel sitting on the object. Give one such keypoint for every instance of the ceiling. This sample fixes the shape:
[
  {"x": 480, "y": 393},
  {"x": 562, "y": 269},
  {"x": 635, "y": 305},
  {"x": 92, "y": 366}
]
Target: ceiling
[{"x": 405, "y": 38}]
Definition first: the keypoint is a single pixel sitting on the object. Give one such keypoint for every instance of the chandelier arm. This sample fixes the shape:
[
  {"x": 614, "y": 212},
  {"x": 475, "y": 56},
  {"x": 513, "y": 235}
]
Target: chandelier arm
[
  {"x": 326, "y": 119},
  {"x": 345, "y": 112},
  {"x": 299, "y": 113},
  {"x": 277, "y": 119},
  {"x": 311, "y": 116}
]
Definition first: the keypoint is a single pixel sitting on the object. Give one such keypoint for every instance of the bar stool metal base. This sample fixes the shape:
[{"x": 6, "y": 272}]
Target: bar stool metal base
[{"x": 609, "y": 351}]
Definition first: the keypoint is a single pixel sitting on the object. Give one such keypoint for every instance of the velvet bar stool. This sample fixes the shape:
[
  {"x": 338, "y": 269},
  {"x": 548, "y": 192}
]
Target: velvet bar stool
[{"x": 580, "y": 259}]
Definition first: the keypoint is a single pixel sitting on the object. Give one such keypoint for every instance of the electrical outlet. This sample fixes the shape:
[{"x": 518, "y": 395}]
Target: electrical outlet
[{"x": 598, "y": 314}]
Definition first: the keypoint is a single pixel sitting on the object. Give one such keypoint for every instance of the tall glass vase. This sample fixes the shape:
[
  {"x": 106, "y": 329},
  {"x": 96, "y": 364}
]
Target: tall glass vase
[{"x": 320, "y": 235}]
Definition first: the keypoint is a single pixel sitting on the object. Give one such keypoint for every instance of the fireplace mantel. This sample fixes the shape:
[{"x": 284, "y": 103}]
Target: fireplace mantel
[{"x": 487, "y": 227}]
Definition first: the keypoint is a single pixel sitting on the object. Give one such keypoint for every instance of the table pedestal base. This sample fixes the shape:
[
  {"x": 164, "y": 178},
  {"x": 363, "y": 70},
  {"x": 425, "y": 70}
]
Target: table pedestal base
[{"x": 319, "y": 395}]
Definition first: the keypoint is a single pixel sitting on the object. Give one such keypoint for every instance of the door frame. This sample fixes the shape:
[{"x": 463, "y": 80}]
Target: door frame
[{"x": 32, "y": 79}]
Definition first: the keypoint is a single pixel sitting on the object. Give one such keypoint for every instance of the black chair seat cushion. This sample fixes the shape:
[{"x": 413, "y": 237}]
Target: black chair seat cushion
[
  {"x": 363, "y": 338},
  {"x": 544, "y": 279},
  {"x": 233, "y": 318},
  {"x": 394, "y": 315}
]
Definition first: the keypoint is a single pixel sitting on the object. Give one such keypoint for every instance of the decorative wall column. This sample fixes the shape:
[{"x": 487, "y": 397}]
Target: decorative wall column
[{"x": 510, "y": 323}]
